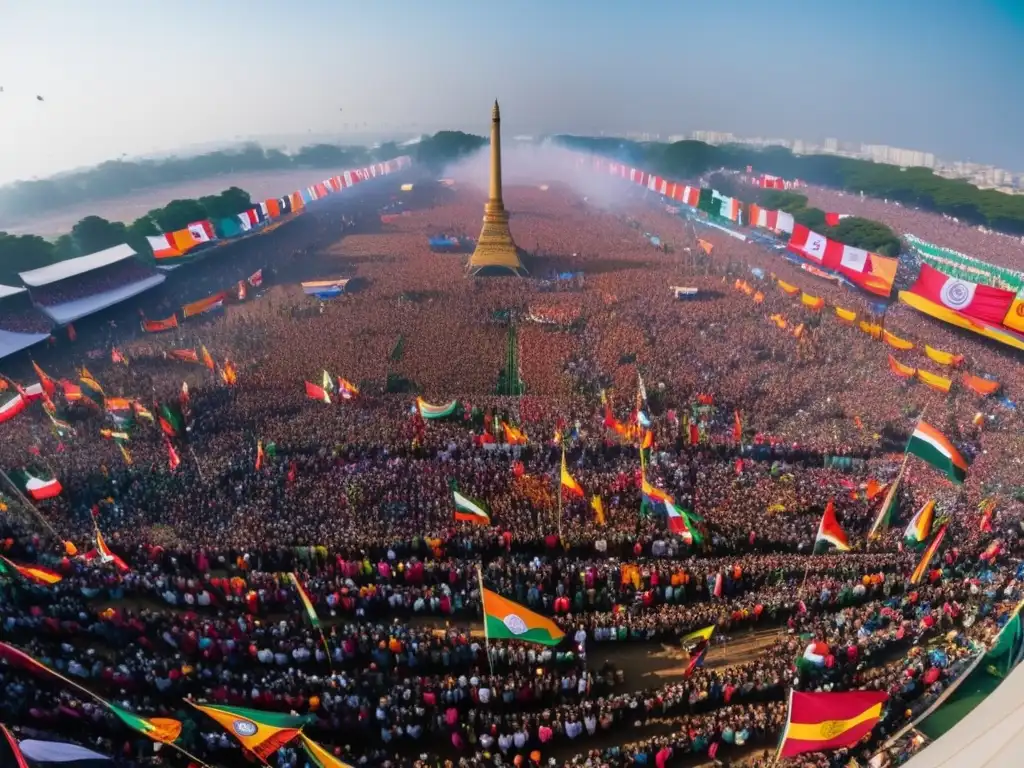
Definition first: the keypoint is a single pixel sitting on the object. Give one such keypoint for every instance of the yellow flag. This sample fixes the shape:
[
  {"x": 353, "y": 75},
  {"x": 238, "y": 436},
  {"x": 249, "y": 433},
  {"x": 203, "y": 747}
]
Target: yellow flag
[
  {"x": 598, "y": 506},
  {"x": 262, "y": 733},
  {"x": 321, "y": 757}
]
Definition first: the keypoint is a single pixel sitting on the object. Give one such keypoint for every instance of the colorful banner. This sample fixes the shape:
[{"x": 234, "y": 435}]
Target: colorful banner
[
  {"x": 155, "y": 326},
  {"x": 204, "y": 305}
]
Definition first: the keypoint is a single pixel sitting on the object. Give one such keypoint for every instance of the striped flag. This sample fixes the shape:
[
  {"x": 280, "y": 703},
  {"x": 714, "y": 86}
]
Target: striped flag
[
  {"x": 926, "y": 558},
  {"x": 470, "y": 510},
  {"x": 822, "y": 722},
  {"x": 930, "y": 445},
  {"x": 307, "y": 603},
  {"x": 36, "y": 574}
]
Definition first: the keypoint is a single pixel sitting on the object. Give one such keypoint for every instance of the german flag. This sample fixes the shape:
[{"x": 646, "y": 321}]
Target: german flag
[
  {"x": 821, "y": 722},
  {"x": 36, "y": 574}
]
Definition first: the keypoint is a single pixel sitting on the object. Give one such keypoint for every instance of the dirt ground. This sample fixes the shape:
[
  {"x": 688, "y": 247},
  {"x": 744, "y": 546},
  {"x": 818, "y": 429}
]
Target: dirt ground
[{"x": 259, "y": 185}]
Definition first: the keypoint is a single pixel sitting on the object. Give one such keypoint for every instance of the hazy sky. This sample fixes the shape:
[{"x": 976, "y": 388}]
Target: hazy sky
[{"x": 134, "y": 76}]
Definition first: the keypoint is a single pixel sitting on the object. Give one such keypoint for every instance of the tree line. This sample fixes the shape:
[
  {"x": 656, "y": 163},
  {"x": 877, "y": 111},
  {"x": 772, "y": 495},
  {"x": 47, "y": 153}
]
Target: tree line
[
  {"x": 119, "y": 178},
  {"x": 21, "y": 253},
  {"x": 917, "y": 187}
]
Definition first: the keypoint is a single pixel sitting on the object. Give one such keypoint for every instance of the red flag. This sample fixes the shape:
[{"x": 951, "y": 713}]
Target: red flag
[{"x": 291, "y": 471}]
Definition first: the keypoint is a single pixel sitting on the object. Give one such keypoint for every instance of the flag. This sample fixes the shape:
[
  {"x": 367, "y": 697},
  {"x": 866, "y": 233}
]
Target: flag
[
  {"x": 470, "y": 510},
  {"x": 259, "y": 455},
  {"x": 313, "y": 392},
  {"x": 117, "y": 357},
  {"x": 37, "y": 488},
  {"x": 513, "y": 435},
  {"x": 307, "y": 603},
  {"x": 830, "y": 532},
  {"x": 172, "y": 456},
  {"x": 568, "y": 482},
  {"x": 696, "y": 658},
  {"x": 12, "y": 406},
  {"x": 920, "y": 527},
  {"x": 943, "y": 358},
  {"x": 327, "y": 384},
  {"x": 256, "y": 278},
  {"x": 505, "y": 620},
  {"x": 938, "y": 383},
  {"x": 987, "y": 507},
  {"x": 926, "y": 558},
  {"x": 903, "y": 371},
  {"x": 681, "y": 522},
  {"x": 162, "y": 729},
  {"x": 228, "y": 372},
  {"x": 184, "y": 355},
  {"x": 141, "y": 411},
  {"x": 155, "y": 326},
  {"x": 930, "y": 445},
  {"x": 36, "y": 574},
  {"x": 9, "y": 745},
  {"x": 207, "y": 358},
  {"x": 347, "y": 389},
  {"x": 737, "y": 427},
  {"x": 125, "y": 453},
  {"x": 598, "y": 506},
  {"x": 700, "y": 635},
  {"x": 170, "y": 421},
  {"x": 980, "y": 386},
  {"x": 262, "y": 733},
  {"x": 885, "y": 512},
  {"x": 822, "y": 722},
  {"x": 112, "y": 435},
  {"x": 107, "y": 556},
  {"x": 242, "y": 291},
  {"x": 91, "y": 388},
  {"x": 49, "y": 387},
  {"x": 651, "y": 495},
  {"x": 980, "y": 302},
  {"x": 320, "y": 757}
]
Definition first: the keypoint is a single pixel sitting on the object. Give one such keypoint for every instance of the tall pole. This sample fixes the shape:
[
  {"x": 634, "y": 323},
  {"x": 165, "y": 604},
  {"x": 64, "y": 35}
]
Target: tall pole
[{"x": 483, "y": 615}]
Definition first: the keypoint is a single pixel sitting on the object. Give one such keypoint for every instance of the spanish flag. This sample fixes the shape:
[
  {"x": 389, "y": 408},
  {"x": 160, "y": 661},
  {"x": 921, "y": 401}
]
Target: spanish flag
[
  {"x": 262, "y": 733},
  {"x": 822, "y": 722},
  {"x": 36, "y": 574},
  {"x": 569, "y": 484}
]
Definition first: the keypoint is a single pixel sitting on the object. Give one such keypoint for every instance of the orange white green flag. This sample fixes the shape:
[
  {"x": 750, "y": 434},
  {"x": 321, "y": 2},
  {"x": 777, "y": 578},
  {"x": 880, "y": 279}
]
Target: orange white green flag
[
  {"x": 822, "y": 722},
  {"x": 919, "y": 529},
  {"x": 505, "y": 620},
  {"x": 932, "y": 446},
  {"x": 262, "y": 733}
]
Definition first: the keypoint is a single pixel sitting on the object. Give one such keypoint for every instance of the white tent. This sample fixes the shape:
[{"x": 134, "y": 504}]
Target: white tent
[{"x": 991, "y": 736}]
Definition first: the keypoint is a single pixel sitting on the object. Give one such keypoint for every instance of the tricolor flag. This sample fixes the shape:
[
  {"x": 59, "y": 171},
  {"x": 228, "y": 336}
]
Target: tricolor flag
[
  {"x": 162, "y": 729},
  {"x": 926, "y": 558},
  {"x": 36, "y": 574},
  {"x": 307, "y": 603},
  {"x": 886, "y": 512},
  {"x": 313, "y": 392},
  {"x": 37, "y": 488},
  {"x": 929, "y": 444},
  {"x": 920, "y": 527},
  {"x": 822, "y": 722},
  {"x": 12, "y": 406},
  {"x": 568, "y": 482},
  {"x": 653, "y": 496},
  {"x": 506, "y": 620},
  {"x": 262, "y": 733},
  {"x": 319, "y": 756},
  {"x": 470, "y": 510},
  {"x": 696, "y": 658},
  {"x": 830, "y": 532},
  {"x": 681, "y": 523},
  {"x": 700, "y": 635}
]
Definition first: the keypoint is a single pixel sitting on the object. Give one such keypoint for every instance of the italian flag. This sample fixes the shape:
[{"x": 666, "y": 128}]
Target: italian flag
[
  {"x": 830, "y": 532},
  {"x": 930, "y": 445},
  {"x": 505, "y": 620},
  {"x": 469, "y": 510},
  {"x": 37, "y": 488}
]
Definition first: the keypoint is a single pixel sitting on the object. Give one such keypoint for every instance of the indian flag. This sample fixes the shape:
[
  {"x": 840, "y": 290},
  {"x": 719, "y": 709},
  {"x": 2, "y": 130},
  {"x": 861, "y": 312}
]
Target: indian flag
[
  {"x": 505, "y": 620},
  {"x": 830, "y": 532},
  {"x": 929, "y": 444},
  {"x": 920, "y": 526},
  {"x": 469, "y": 510}
]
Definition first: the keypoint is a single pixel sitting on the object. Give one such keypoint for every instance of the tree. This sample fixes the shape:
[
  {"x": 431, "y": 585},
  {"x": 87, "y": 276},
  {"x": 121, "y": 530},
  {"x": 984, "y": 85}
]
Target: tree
[
  {"x": 137, "y": 232},
  {"x": 94, "y": 233},
  {"x": 445, "y": 147},
  {"x": 178, "y": 214},
  {"x": 64, "y": 248},
  {"x": 230, "y": 202},
  {"x": 22, "y": 253}
]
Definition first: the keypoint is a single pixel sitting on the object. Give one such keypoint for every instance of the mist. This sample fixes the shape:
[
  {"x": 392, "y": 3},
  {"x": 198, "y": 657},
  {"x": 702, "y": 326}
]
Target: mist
[{"x": 532, "y": 165}]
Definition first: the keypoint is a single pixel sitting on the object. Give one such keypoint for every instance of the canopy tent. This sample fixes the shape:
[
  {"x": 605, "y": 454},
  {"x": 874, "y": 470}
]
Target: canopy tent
[
  {"x": 62, "y": 270},
  {"x": 991, "y": 736},
  {"x": 10, "y": 290},
  {"x": 15, "y": 342},
  {"x": 69, "y": 311}
]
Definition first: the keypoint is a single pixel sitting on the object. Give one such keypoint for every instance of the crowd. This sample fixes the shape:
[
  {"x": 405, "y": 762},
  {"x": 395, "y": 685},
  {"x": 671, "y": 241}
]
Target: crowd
[
  {"x": 17, "y": 315},
  {"x": 355, "y": 497}
]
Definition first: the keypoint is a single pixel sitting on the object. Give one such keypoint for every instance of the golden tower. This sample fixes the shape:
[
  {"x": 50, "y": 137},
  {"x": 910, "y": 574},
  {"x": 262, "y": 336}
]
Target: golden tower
[{"x": 495, "y": 247}]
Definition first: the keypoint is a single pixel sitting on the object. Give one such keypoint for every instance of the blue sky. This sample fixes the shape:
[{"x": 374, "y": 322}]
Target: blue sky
[{"x": 123, "y": 76}]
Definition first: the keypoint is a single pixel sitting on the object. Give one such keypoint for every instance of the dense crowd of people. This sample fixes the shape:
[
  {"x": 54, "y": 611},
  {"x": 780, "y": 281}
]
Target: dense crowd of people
[{"x": 355, "y": 497}]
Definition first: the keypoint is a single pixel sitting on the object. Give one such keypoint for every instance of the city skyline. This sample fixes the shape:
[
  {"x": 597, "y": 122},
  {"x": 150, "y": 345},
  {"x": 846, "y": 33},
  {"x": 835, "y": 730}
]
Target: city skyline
[{"x": 126, "y": 79}]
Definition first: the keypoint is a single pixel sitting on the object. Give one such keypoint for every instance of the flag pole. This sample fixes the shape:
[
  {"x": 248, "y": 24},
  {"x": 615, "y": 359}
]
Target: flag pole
[
  {"x": 560, "y": 496},
  {"x": 483, "y": 614},
  {"x": 198, "y": 465}
]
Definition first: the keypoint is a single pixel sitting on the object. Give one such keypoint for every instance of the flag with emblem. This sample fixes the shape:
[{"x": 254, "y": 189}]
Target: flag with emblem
[
  {"x": 505, "y": 620},
  {"x": 822, "y": 722},
  {"x": 262, "y": 733}
]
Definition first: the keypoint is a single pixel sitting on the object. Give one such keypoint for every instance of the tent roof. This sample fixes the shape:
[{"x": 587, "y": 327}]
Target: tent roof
[
  {"x": 991, "y": 736},
  {"x": 70, "y": 267},
  {"x": 10, "y": 290},
  {"x": 70, "y": 311},
  {"x": 15, "y": 342}
]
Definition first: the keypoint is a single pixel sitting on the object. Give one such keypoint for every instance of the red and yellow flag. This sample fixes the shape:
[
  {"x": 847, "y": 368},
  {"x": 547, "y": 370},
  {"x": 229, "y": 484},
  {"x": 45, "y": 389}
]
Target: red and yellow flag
[
  {"x": 207, "y": 358},
  {"x": 36, "y": 574},
  {"x": 262, "y": 733},
  {"x": 569, "y": 484},
  {"x": 821, "y": 722}
]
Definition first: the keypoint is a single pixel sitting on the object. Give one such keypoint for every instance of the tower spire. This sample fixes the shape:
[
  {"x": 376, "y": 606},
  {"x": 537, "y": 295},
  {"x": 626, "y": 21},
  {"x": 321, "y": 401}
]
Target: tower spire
[{"x": 495, "y": 247}]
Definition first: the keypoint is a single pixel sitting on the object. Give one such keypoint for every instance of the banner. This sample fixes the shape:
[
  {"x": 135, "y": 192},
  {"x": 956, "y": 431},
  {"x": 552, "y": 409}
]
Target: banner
[
  {"x": 155, "y": 326},
  {"x": 204, "y": 305}
]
